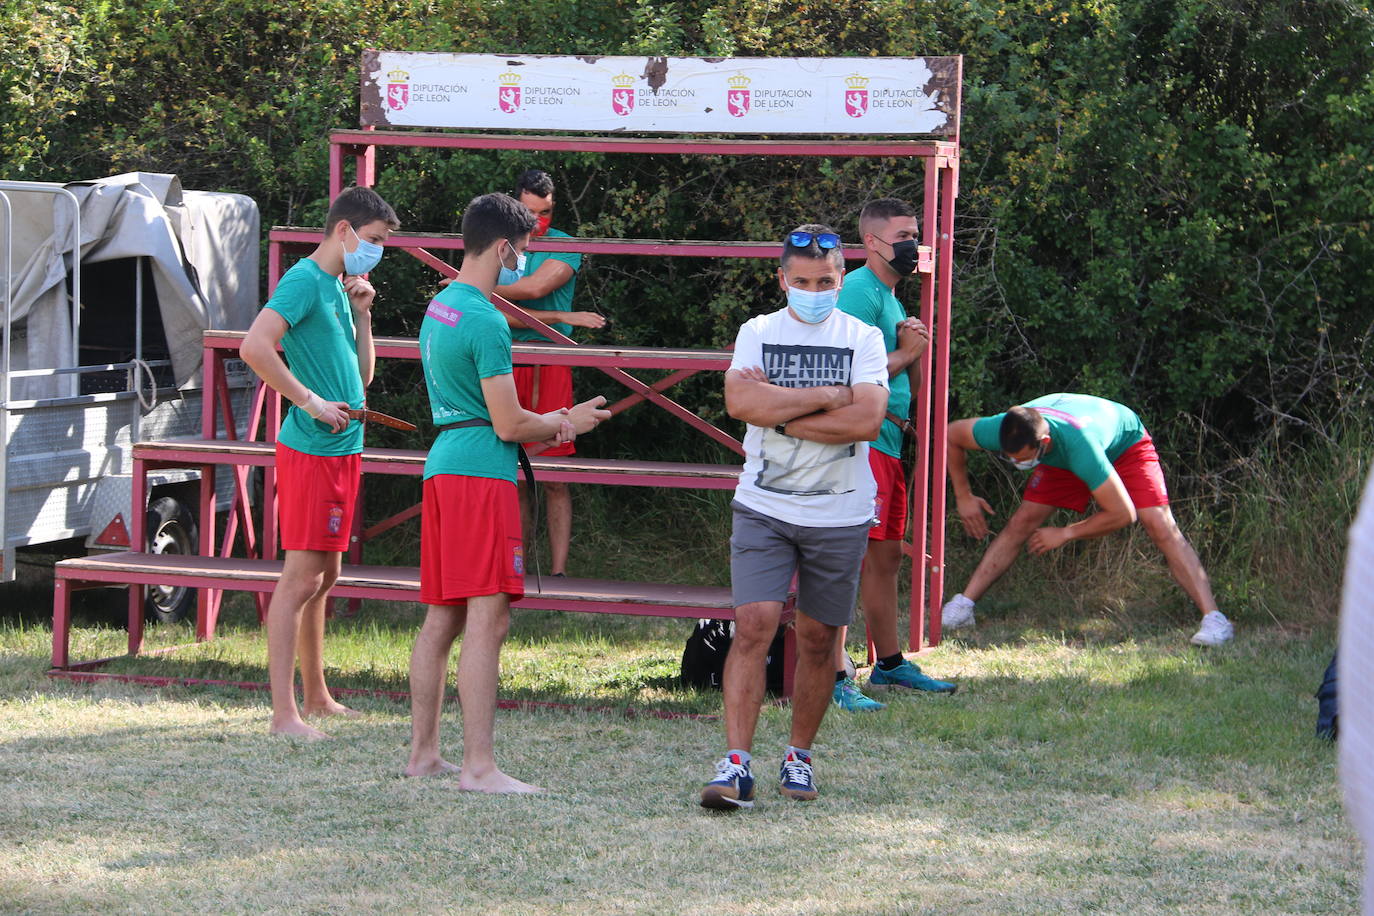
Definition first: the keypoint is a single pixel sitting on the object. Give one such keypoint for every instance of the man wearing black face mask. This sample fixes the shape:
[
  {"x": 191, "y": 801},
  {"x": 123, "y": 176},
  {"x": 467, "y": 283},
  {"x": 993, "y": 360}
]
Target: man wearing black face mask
[{"x": 889, "y": 231}]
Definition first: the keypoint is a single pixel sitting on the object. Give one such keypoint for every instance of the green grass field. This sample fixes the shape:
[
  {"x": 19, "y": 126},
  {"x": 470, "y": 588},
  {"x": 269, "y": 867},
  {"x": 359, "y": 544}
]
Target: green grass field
[{"x": 1091, "y": 762}]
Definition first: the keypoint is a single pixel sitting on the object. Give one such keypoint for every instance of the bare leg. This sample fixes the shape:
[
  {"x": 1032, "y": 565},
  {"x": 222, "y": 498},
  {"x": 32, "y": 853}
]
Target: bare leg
[
  {"x": 303, "y": 573},
  {"x": 815, "y": 681},
  {"x": 745, "y": 675},
  {"x": 428, "y": 672},
  {"x": 1184, "y": 564},
  {"x": 526, "y": 514},
  {"x": 1005, "y": 548},
  {"x": 878, "y": 589},
  {"x": 478, "y": 671},
  {"x": 310, "y": 647},
  {"x": 558, "y": 506}
]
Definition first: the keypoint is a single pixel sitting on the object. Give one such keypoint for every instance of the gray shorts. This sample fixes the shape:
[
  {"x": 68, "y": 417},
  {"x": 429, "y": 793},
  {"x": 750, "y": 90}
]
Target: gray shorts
[{"x": 765, "y": 552}]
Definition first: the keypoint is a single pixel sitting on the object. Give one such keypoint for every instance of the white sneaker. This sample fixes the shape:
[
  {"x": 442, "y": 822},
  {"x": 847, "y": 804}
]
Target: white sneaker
[
  {"x": 957, "y": 614},
  {"x": 1215, "y": 630}
]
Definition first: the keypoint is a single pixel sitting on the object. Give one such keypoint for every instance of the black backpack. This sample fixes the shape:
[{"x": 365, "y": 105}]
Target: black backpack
[{"x": 703, "y": 657}]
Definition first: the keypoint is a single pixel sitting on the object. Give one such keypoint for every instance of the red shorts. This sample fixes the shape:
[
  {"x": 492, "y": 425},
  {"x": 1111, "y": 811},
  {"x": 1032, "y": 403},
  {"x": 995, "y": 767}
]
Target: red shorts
[
  {"x": 470, "y": 540},
  {"x": 553, "y": 392},
  {"x": 316, "y": 495},
  {"x": 891, "y": 480},
  {"x": 1138, "y": 468}
]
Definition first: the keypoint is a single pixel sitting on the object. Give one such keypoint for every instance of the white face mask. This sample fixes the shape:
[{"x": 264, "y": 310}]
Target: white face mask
[{"x": 812, "y": 307}]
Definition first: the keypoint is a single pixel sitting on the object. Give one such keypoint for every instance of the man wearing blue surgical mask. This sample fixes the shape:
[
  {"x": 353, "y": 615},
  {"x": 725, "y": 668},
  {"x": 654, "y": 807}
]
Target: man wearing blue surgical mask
[
  {"x": 321, "y": 315},
  {"x": 811, "y": 383},
  {"x": 1078, "y": 448}
]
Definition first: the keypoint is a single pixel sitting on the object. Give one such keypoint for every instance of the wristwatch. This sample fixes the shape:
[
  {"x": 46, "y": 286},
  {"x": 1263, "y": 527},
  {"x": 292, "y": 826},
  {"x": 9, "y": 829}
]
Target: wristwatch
[{"x": 781, "y": 428}]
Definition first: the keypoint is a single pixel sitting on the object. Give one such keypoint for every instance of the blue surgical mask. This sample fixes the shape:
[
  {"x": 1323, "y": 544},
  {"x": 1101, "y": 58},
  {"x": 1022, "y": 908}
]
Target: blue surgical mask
[
  {"x": 508, "y": 276},
  {"x": 363, "y": 258},
  {"x": 813, "y": 308}
]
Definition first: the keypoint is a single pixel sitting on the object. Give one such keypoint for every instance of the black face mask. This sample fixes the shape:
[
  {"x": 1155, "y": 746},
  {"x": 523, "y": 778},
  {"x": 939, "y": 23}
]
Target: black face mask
[{"x": 903, "y": 259}]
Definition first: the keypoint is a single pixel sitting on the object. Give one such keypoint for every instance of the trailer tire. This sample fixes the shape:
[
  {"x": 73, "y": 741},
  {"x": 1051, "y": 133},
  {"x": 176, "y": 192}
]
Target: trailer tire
[{"x": 171, "y": 529}]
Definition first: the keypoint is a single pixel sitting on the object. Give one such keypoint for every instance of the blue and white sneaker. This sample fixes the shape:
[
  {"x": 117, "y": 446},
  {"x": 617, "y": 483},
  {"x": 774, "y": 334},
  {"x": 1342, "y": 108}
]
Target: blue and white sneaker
[
  {"x": 798, "y": 779},
  {"x": 909, "y": 676},
  {"x": 850, "y": 698},
  {"x": 732, "y": 788}
]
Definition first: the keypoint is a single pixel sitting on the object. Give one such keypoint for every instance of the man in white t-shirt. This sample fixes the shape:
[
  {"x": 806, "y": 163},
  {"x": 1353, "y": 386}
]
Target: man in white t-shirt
[{"x": 811, "y": 383}]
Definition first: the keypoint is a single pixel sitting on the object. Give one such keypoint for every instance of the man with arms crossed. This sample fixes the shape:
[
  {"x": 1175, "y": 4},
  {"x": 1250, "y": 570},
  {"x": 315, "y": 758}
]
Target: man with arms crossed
[
  {"x": 811, "y": 383},
  {"x": 325, "y": 327},
  {"x": 889, "y": 231},
  {"x": 543, "y": 285},
  {"x": 1077, "y": 447},
  {"x": 471, "y": 553}
]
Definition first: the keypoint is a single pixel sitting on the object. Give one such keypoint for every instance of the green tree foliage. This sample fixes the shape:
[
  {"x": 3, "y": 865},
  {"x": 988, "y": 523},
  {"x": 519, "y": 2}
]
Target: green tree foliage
[{"x": 1166, "y": 202}]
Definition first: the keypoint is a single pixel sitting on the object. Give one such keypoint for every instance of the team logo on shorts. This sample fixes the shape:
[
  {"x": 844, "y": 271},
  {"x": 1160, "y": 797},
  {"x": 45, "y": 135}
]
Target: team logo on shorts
[
  {"x": 517, "y": 556},
  {"x": 335, "y": 519}
]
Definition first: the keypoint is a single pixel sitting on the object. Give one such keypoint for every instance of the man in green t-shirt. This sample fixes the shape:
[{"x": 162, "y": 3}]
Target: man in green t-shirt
[
  {"x": 324, "y": 325},
  {"x": 1078, "y": 448},
  {"x": 472, "y": 561},
  {"x": 544, "y": 287},
  {"x": 889, "y": 230}
]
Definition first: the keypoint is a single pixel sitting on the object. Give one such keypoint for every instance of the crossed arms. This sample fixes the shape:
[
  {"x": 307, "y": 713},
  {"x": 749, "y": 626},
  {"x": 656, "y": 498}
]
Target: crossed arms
[{"x": 830, "y": 414}]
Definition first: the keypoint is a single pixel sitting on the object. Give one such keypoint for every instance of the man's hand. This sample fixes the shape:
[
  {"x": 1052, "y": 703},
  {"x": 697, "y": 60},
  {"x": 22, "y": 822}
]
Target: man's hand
[
  {"x": 913, "y": 336},
  {"x": 585, "y": 320},
  {"x": 585, "y": 416},
  {"x": 971, "y": 511},
  {"x": 360, "y": 293},
  {"x": 565, "y": 433},
  {"x": 335, "y": 415},
  {"x": 1046, "y": 539}
]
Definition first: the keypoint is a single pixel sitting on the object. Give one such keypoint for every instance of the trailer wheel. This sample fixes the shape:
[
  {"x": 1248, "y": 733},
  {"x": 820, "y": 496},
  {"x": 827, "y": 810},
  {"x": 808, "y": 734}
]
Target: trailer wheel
[{"x": 171, "y": 529}]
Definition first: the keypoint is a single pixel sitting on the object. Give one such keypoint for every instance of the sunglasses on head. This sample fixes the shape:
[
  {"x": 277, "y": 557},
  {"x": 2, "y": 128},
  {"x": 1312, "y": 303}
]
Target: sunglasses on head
[{"x": 822, "y": 239}]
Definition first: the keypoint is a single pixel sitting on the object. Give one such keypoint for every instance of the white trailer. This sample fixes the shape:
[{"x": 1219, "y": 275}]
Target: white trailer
[{"x": 107, "y": 287}]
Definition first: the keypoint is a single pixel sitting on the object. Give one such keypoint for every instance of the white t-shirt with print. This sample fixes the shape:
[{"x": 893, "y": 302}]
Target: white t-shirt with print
[{"x": 795, "y": 480}]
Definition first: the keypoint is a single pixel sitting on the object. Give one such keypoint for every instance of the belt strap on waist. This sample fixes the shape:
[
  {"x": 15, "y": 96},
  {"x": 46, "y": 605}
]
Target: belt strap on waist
[{"x": 526, "y": 468}]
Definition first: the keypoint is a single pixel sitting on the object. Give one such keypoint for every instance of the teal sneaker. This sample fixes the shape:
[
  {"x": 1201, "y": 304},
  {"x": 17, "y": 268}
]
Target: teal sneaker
[
  {"x": 909, "y": 676},
  {"x": 848, "y": 697}
]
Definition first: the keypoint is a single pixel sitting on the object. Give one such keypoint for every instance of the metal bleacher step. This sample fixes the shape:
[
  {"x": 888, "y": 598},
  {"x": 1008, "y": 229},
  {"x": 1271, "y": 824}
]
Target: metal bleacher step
[
  {"x": 397, "y": 582},
  {"x": 576, "y": 469}
]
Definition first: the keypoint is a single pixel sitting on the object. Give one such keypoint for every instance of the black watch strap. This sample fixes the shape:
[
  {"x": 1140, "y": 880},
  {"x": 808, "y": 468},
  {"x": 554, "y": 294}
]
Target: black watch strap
[{"x": 781, "y": 428}]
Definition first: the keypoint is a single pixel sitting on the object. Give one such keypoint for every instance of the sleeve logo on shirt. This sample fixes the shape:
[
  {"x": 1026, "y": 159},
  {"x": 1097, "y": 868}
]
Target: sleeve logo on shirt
[{"x": 442, "y": 313}]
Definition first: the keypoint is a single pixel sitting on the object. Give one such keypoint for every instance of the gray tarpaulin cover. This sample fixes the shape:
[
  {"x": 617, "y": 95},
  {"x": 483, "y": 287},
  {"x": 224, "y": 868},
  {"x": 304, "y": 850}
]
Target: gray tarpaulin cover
[{"x": 204, "y": 252}]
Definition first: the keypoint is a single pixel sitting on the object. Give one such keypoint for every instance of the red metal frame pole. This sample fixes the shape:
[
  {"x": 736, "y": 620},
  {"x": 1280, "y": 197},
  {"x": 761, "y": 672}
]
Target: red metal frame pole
[
  {"x": 949, "y": 180},
  {"x": 920, "y": 478}
]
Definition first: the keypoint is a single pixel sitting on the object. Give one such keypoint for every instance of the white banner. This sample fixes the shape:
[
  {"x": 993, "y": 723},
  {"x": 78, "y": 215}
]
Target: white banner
[{"x": 758, "y": 95}]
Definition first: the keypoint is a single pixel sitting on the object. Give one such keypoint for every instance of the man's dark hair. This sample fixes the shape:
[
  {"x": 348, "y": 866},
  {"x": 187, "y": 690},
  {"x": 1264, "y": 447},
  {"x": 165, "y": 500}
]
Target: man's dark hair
[
  {"x": 492, "y": 217},
  {"x": 813, "y": 250},
  {"x": 360, "y": 206},
  {"x": 884, "y": 208},
  {"x": 536, "y": 181},
  {"x": 1021, "y": 427}
]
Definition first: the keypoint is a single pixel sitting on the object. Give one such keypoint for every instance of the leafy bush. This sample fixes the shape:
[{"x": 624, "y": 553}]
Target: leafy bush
[{"x": 1167, "y": 203}]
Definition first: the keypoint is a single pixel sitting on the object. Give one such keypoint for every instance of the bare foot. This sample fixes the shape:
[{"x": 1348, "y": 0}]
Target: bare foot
[
  {"x": 496, "y": 783},
  {"x": 332, "y": 708},
  {"x": 297, "y": 729},
  {"x": 434, "y": 767}
]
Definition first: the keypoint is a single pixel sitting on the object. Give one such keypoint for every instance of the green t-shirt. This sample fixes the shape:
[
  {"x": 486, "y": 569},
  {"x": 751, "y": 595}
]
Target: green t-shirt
[
  {"x": 868, "y": 299},
  {"x": 560, "y": 300},
  {"x": 1086, "y": 434},
  {"x": 463, "y": 340},
  {"x": 322, "y": 351}
]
